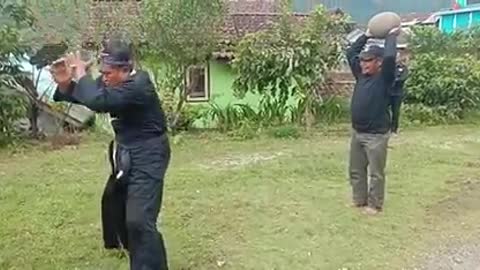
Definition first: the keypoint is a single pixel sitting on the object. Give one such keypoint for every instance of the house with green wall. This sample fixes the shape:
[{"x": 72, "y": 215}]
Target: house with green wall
[
  {"x": 217, "y": 85},
  {"x": 216, "y": 76}
]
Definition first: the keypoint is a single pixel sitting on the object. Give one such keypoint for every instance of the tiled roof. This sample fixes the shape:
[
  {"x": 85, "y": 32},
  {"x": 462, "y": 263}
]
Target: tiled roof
[
  {"x": 237, "y": 25},
  {"x": 418, "y": 18},
  {"x": 243, "y": 17}
]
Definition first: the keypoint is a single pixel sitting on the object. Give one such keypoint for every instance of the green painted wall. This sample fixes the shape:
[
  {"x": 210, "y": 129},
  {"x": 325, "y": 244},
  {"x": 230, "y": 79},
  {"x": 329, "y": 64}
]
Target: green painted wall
[
  {"x": 221, "y": 78},
  {"x": 221, "y": 86}
]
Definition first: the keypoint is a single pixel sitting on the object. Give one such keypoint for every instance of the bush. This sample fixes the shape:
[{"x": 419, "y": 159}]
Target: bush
[
  {"x": 15, "y": 18},
  {"x": 246, "y": 130},
  {"x": 13, "y": 106},
  {"x": 229, "y": 117},
  {"x": 290, "y": 60},
  {"x": 421, "y": 114},
  {"x": 444, "y": 82},
  {"x": 328, "y": 111},
  {"x": 285, "y": 132},
  {"x": 189, "y": 115},
  {"x": 447, "y": 85}
]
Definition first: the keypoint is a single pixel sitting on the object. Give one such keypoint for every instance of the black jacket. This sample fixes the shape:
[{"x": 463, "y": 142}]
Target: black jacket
[
  {"x": 371, "y": 97},
  {"x": 134, "y": 106}
]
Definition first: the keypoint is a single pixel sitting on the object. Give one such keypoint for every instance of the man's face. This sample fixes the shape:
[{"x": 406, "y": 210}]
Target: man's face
[
  {"x": 113, "y": 76},
  {"x": 370, "y": 65}
]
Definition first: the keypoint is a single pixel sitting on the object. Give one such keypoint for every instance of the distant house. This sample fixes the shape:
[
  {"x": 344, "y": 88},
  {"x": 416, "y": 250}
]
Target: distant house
[
  {"x": 216, "y": 76},
  {"x": 362, "y": 10},
  {"x": 461, "y": 18}
]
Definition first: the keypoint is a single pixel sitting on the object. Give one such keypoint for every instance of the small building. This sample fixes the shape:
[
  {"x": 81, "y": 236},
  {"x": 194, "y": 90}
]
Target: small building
[
  {"x": 216, "y": 75},
  {"x": 459, "y": 19}
]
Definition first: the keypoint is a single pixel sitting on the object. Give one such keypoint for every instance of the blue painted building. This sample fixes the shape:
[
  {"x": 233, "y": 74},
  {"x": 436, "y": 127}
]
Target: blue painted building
[
  {"x": 460, "y": 19},
  {"x": 362, "y": 10}
]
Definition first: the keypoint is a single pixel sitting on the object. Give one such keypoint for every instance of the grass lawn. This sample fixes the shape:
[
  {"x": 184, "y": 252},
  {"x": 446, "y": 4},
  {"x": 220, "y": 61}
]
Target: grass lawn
[{"x": 258, "y": 204}]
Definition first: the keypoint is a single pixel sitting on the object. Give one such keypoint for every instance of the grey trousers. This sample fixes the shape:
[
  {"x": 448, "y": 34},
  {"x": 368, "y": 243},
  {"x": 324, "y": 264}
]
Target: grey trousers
[{"x": 368, "y": 157}]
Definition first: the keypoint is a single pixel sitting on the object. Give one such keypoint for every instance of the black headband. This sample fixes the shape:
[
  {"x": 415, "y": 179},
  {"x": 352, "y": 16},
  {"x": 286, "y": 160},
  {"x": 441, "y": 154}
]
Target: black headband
[{"x": 113, "y": 61}]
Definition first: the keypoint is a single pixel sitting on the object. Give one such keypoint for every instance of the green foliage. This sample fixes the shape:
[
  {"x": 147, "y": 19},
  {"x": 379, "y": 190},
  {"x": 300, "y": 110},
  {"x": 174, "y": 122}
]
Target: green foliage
[
  {"x": 229, "y": 117},
  {"x": 285, "y": 132},
  {"x": 184, "y": 32},
  {"x": 238, "y": 121},
  {"x": 189, "y": 115},
  {"x": 180, "y": 33},
  {"x": 289, "y": 59},
  {"x": 420, "y": 114},
  {"x": 444, "y": 82},
  {"x": 425, "y": 39},
  {"x": 15, "y": 18},
  {"x": 246, "y": 130},
  {"x": 12, "y": 108},
  {"x": 327, "y": 111},
  {"x": 58, "y": 22},
  {"x": 273, "y": 115}
]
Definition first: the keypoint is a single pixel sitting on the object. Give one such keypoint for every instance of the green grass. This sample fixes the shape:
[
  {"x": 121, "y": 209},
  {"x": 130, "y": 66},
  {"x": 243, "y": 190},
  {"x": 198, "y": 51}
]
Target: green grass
[{"x": 288, "y": 210}]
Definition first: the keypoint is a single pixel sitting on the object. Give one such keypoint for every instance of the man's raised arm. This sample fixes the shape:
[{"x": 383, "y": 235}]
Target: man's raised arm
[{"x": 353, "y": 53}]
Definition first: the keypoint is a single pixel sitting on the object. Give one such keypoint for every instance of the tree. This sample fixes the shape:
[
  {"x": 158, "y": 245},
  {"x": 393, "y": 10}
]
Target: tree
[
  {"x": 59, "y": 26},
  {"x": 290, "y": 59},
  {"x": 41, "y": 31},
  {"x": 14, "y": 19},
  {"x": 180, "y": 33}
]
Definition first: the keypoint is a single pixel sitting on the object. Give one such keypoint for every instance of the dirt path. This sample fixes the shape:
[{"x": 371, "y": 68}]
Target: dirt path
[
  {"x": 460, "y": 248},
  {"x": 454, "y": 256}
]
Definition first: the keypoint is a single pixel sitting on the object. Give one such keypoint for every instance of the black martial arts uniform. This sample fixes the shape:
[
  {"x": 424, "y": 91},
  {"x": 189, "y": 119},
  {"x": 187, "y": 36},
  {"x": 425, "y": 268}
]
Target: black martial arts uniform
[
  {"x": 140, "y": 136},
  {"x": 114, "y": 202}
]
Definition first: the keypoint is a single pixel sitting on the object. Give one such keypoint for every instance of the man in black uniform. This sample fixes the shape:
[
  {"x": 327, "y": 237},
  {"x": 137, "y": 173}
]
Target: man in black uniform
[
  {"x": 397, "y": 93},
  {"x": 374, "y": 71},
  {"x": 140, "y": 137}
]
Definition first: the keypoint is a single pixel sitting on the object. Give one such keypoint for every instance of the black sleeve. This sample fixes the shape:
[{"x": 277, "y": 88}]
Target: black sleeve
[
  {"x": 67, "y": 96},
  {"x": 100, "y": 98},
  {"x": 353, "y": 52},
  {"x": 389, "y": 63}
]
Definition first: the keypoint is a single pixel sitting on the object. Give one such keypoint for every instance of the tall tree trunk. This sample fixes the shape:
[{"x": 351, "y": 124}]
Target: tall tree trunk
[
  {"x": 34, "y": 108},
  {"x": 182, "y": 98}
]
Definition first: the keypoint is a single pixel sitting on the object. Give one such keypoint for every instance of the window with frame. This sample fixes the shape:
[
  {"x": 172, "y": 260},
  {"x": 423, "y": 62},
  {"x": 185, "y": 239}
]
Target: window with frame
[{"x": 197, "y": 83}]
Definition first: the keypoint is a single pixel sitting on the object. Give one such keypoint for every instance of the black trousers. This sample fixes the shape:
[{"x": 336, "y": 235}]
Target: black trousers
[{"x": 132, "y": 201}]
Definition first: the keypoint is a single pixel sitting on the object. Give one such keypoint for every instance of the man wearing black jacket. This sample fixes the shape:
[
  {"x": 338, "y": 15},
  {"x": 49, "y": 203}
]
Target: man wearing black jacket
[
  {"x": 374, "y": 71},
  {"x": 396, "y": 95},
  {"x": 142, "y": 147}
]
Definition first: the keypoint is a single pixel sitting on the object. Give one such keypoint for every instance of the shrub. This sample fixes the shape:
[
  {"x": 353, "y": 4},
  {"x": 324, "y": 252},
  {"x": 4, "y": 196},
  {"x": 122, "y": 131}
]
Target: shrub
[
  {"x": 13, "y": 106},
  {"x": 421, "y": 114},
  {"x": 188, "y": 116},
  {"x": 444, "y": 83},
  {"x": 285, "y": 132},
  {"x": 328, "y": 111}
]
